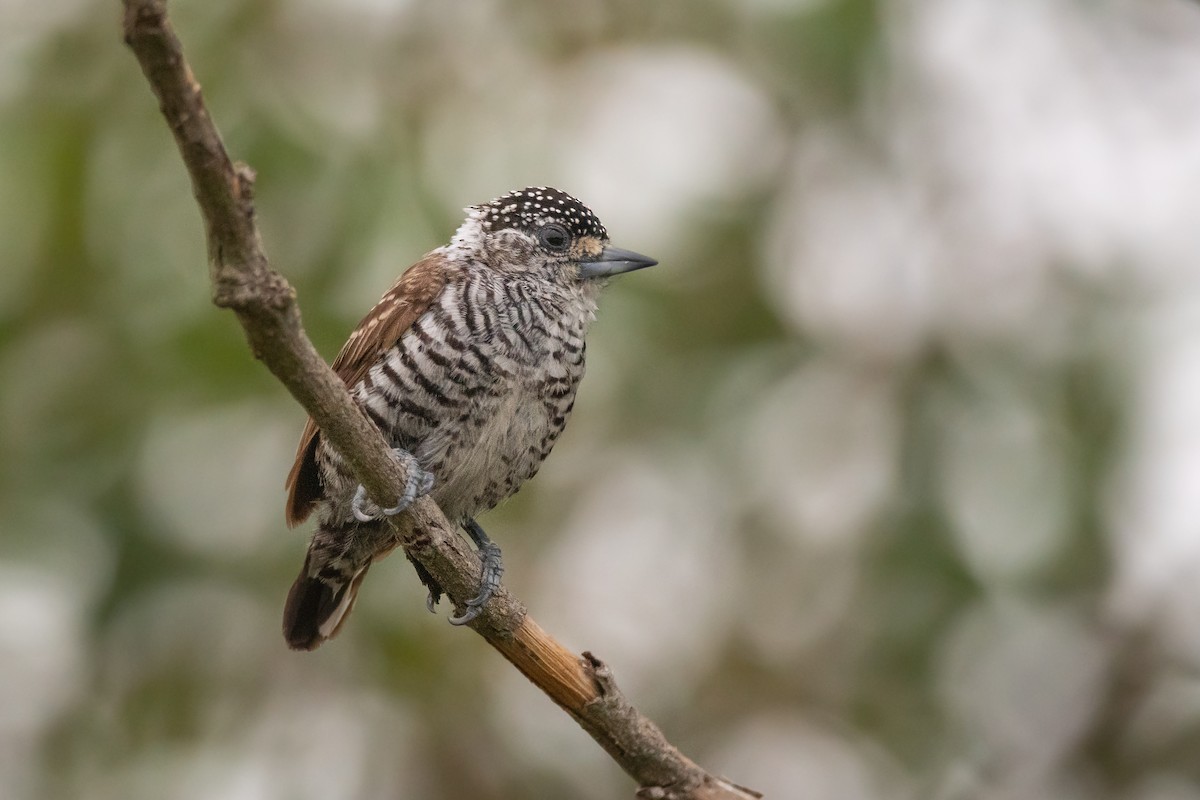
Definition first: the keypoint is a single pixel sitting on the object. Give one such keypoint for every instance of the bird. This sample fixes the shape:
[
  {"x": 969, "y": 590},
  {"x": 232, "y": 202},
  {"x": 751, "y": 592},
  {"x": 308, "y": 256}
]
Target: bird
[{"x": 468, "y": 365}]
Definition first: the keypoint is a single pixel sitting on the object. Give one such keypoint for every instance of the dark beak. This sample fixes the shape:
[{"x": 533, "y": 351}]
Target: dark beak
[{"x": 614, "y": 261}]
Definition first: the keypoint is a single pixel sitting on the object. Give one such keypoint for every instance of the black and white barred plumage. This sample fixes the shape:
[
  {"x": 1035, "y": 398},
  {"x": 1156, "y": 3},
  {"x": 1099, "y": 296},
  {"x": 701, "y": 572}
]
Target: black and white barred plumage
[{"x": 469, "y": 365}]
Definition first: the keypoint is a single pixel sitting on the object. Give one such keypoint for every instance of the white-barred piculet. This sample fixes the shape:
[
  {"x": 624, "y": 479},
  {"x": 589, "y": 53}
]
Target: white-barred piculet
[{"x": 469, "y": 365}]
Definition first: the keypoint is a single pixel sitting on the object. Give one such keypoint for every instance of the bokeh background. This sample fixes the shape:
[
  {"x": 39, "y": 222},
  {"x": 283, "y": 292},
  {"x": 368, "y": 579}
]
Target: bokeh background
[{"x": 884, "y": 485}]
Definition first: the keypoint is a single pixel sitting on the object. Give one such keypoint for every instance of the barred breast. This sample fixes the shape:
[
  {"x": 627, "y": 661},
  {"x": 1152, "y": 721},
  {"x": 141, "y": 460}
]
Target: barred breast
[{"x": 478, "y": 389}]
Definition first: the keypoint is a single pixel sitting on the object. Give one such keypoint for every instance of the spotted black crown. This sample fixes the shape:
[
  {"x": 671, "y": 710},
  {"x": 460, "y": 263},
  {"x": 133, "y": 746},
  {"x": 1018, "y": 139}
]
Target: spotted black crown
[{"x": 529, "y": 209}]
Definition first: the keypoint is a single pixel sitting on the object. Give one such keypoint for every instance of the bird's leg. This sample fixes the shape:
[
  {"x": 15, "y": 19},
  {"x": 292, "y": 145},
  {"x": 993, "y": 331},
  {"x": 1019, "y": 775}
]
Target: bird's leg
[
  {"x": 419, "y": 482},
  {"x": 489, "y": 578}
]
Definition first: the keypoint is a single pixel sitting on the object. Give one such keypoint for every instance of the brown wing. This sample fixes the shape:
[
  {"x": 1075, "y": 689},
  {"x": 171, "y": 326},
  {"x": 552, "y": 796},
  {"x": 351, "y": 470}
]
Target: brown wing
[{"x": 383, "y": 326}]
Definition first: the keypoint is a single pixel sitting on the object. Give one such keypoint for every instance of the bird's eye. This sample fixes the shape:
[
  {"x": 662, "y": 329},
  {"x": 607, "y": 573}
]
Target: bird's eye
[{"x": 554, "y": 237}]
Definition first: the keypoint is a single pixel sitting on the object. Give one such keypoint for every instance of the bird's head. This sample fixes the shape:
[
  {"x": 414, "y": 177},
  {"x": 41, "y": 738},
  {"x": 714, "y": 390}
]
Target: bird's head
[{"x": 539, "y": 229}]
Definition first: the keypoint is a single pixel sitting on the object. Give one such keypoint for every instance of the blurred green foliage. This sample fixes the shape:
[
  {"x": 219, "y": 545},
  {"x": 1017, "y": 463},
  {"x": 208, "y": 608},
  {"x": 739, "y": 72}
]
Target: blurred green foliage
[{"x": 881, "y": 485}]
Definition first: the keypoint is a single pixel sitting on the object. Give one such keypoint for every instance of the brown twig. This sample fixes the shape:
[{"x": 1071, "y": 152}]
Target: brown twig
[{"x": 265, "y": 304}]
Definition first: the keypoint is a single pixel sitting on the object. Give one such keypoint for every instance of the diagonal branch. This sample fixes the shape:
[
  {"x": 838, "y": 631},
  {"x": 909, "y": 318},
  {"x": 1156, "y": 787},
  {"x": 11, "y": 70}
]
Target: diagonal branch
[{"x": 265, "y": 305}]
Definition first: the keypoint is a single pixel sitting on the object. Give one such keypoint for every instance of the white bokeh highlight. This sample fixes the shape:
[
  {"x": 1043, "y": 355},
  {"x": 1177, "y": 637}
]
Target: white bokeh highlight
[
  {"x": 644, "y": 571},
  {"x": 205, "y": 476}
]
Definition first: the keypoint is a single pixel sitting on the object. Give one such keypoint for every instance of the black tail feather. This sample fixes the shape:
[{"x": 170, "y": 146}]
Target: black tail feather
[{"x": 317, "y": 608}]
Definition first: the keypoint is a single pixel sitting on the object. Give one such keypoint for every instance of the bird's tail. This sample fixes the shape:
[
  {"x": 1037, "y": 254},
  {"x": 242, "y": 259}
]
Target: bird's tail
[{"x": 318, "y": 603}]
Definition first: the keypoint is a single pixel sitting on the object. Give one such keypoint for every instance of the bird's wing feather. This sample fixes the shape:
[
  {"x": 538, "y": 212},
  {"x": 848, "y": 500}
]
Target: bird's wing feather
[{"x": 381, "y": 328}]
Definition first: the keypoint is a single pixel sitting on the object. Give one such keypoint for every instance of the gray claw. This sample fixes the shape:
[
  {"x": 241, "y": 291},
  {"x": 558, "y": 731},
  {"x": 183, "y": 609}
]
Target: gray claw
[
  {"x": 356, "y": 505},
  {"x": 489, "y": 580},
  {"x": 419, "y": 483},
  {"x": 471, "y": 613}
]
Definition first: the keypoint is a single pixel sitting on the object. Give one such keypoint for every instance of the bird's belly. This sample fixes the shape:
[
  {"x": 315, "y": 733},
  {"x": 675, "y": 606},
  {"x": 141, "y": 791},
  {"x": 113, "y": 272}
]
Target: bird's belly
[{"x": 500, "y": 446}]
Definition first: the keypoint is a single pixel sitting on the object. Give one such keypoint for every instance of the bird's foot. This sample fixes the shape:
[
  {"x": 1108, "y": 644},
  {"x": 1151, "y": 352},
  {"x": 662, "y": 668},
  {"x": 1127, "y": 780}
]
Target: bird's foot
[
  {"x": 419, "y": 483},
  {"x": 489, "y": 578}
]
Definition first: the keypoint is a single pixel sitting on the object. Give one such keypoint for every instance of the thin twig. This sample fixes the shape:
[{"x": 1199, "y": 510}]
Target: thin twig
[{"x": 265, "y": 305}]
